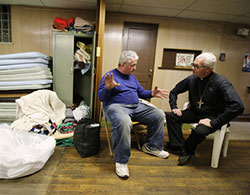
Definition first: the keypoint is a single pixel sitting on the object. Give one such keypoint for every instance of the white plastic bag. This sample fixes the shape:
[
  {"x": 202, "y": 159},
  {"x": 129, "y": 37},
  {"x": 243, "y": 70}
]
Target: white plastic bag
[
  {"x": 82, "y": 111},
  {"x": 23, "y": 153}
]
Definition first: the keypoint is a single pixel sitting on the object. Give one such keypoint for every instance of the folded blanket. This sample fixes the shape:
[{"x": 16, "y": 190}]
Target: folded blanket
[
  {"x": 23, "y": 61},
  {"x": 24, "y": 70},
  {"x": 20, "y": 66},
  {"x": 22, "y": 87},
  {"x": 29, "y": 82},
  {"x": 24, "y": 55}
]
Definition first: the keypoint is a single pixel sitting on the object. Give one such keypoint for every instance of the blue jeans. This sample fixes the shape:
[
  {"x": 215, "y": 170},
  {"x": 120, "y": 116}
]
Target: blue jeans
[{"x": 121, "y": 116}]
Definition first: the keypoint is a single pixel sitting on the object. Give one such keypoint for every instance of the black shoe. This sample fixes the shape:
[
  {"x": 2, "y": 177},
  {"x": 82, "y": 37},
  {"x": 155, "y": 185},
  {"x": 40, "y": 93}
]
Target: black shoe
[
  {"x": 173, "y": 149},
  {"x": 184, "y": 158}
]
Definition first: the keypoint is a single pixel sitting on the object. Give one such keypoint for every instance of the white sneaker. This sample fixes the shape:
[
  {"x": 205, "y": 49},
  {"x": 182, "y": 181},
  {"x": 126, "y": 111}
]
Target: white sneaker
[
  {"x": 158, "y": 153},
  {"x": 121, "y": 170}
]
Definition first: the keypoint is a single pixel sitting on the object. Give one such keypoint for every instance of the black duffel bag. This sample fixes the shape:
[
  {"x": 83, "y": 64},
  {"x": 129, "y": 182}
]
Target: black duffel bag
[{"x": 87, "y": 137}]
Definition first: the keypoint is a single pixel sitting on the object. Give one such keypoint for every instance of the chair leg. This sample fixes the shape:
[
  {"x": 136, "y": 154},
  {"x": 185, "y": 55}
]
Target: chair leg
[
  {"x": 107, "y": 133},
  {"x": 109, "y": 144},
  {"x": 137, "y": 139},
  {"x": 218, "y": 141},
  {"x": 226, "y": 143}
]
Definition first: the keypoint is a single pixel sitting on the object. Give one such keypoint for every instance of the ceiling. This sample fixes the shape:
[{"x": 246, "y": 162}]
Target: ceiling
[{"x": 235, "y": 11}]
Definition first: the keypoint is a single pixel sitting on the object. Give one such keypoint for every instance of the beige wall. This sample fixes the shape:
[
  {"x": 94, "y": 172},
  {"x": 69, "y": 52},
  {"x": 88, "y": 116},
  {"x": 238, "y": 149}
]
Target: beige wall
[
  {"x": 32, "y": 31},
  {"x": 183, "y": 34},
  {"x": 32, "y": 28}
]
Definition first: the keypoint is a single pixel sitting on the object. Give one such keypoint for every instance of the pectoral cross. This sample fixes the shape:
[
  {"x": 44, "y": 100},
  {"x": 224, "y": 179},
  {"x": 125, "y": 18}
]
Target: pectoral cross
[{"x": 200, "y": 103}]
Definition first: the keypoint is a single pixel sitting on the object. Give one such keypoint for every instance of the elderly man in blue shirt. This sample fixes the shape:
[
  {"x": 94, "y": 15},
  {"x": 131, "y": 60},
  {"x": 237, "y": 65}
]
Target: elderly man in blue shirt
[{"x": 119, "y": 90}]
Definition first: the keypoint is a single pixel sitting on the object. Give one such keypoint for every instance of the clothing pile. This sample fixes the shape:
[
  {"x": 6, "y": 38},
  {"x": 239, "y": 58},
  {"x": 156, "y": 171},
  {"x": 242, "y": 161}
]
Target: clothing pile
[
  {"x": 42, "y": 112},
  {"x": 76, "y": 25},
  {"x": 65, "y": 131},
  {"x": 83, "y": 57},
  {"x": 21, "y": 74},
  {"x": 41, "y": 107}
]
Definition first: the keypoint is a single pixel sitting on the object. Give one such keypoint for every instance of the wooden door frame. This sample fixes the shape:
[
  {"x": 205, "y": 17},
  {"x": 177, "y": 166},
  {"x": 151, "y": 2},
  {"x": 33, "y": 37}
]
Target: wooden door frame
[{"x": 100, "y": 17}]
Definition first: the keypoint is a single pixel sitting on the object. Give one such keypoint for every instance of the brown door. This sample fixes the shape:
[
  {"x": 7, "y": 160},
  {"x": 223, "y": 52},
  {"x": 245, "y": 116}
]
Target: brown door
[{"x": 141, "y": 38}]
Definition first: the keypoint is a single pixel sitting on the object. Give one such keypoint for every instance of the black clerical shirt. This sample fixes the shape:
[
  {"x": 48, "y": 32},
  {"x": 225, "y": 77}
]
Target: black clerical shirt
[{"x": 215, "y": 95}]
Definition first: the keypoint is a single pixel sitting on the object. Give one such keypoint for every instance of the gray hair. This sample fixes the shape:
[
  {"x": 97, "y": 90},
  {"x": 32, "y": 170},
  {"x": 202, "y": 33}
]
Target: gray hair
[
  {"x": 210, "y": 59},
  {"x": 126, "y": 57}
]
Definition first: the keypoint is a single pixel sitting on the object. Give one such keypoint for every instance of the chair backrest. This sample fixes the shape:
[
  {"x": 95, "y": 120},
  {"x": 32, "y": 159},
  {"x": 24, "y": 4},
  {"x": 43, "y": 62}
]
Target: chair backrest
[{"x": 186, "y": 105}]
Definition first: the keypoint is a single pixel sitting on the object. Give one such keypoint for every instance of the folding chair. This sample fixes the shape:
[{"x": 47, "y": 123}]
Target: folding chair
[
  {"x": 135, "y": 130},
  {"x": 221, "y": 137}
]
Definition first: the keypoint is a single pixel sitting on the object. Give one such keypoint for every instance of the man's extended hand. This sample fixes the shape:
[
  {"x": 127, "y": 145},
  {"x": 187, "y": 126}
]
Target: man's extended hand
[
  {"x": 110, "y": 82},
  {"x": 160, "y": 93}
]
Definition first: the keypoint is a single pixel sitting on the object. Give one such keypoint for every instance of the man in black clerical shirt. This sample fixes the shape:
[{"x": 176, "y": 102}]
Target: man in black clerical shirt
[{"x": 213, "y": 103}]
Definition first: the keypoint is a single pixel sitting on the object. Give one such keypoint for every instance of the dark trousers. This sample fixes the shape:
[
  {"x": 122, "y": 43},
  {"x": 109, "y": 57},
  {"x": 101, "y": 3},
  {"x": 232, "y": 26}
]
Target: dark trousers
[{"x": 199, "y": 133}]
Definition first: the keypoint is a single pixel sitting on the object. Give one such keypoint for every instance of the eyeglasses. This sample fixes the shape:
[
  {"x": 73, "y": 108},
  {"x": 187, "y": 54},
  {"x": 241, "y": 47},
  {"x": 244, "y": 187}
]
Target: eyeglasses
[{"x": 198, "y": 66}]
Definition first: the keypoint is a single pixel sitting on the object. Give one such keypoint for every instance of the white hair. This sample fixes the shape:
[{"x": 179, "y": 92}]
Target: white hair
[
  {"x": 126, "y": 57},
  {"x": 210, "y": 59}
]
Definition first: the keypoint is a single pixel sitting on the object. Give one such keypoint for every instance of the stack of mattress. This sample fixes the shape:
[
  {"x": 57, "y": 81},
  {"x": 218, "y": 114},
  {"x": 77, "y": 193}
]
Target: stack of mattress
[
  {"x": 7, "y": 111},
  {"x": 21, "y": 74}
]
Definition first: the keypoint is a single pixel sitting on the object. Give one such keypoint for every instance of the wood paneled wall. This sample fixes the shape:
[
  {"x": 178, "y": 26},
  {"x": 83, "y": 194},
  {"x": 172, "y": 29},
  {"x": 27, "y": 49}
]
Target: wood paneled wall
[
  {"x": 184, "y": 34},
  {"x": 32, "y": 28},
  {"x": 32, "y": 31}
]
